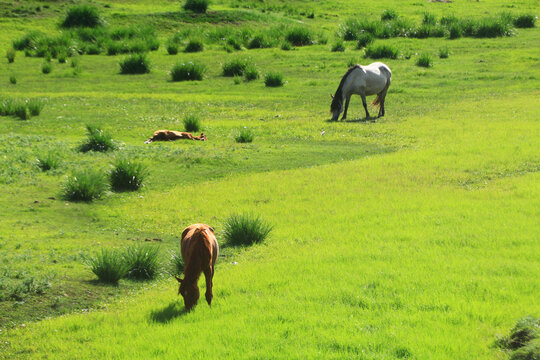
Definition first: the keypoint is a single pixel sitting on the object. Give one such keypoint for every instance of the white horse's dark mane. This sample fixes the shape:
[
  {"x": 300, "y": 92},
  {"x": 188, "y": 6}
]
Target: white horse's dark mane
[{"x": 338, "y": 97}]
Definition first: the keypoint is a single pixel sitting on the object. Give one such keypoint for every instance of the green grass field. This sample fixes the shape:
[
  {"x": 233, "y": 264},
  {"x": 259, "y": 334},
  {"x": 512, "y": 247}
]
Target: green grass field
[{"x": 411, "y": 236}]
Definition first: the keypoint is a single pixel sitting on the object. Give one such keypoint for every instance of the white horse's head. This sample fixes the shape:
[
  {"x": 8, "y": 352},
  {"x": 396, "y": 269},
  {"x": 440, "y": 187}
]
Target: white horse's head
[{"x": 336, "y": 107}]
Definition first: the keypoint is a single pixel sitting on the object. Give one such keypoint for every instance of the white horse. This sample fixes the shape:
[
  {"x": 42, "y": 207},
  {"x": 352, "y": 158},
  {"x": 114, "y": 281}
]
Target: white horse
[{"x": 364, "y": 81}]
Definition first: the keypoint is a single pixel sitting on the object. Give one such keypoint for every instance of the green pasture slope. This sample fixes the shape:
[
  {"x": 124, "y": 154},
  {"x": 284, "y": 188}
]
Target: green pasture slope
[{"x": 413, "y": 236}]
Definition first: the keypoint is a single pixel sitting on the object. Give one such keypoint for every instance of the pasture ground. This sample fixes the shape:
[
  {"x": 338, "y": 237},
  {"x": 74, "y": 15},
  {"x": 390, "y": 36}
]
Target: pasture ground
[{"x": 412, "y": 236}]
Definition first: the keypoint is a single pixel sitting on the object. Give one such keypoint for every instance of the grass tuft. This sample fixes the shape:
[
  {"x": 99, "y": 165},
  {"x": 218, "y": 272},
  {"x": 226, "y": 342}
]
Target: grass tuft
[
  {"x": 98, "y": 140},
  {"x": 48, "y": 161},
  {"x": 525, "y": 330},
  {"x": 245, "y": 135},
  {"x": 285, "y": 45},
  {"x": 172, "y": 48},
  {"x": 273, "y": 79},
  {"x": 364, "y": 40},
  {"x": 127, "y": 175},
  {"x": 525, "y": 21},
  {"x": 197, "y": 6},
  {"x": 35, "y": 106},
  {"x": 108, "y": 265},
  {"x": 389, "y": 14},
  {"x": 192, "y": 123},
  {"x": 245, "y": 230},
  {"x": 176, "y": 264},
  {"x": 424, "y": 60},
  {"x": 46, "y": 67},
  {"x": 84, "y": 185},
  {"x": 12, "y": 80},
  {"x": 235, "y": 67},
  {"x": 299, "y": 36},
  {"x": 187, "y": 71},
  {"x": 381, "y": 51},
  {"x": 444, "y": 53},
  {"x": 338, "y": 46},
  {"x": 194, "y": 45},
  {"x": 251, "y": 73},
  {"x": 82, "y": 16},
  {"x": 135, "y": 64},
  {"x": 10, "y": 55},
  {"x": 142, "y": 261}
]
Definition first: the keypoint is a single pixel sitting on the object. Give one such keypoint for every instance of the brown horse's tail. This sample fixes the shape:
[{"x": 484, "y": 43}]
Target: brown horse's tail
[{"x": 377, "y": 101}]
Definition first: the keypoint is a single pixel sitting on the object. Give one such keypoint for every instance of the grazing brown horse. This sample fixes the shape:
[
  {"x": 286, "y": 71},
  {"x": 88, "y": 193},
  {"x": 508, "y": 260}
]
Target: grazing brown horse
[
  {"x": 199, "y": 250},
  {"x": 170, "y": 135}
]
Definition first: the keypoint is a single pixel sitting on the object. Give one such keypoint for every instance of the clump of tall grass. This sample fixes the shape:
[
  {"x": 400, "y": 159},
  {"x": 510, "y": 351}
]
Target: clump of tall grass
[
  {"x": 192, "y": 123},
  {"x": 364, "y": 40},
  {"x": 35, "y": 106},
  {"x": 176, "y": 264},
  {"x": 273, "y": 79},
  {"x": 84, "y": 185},
  {"x": 285, "y": 45},
  {"x": 46, "y": 67},
  {"x": 197, "y": 6},
  {"x": 429, "y": 19},
  {"x": 234, "y": 43},
  {"x": 98, "y": 140},
  {"x": 389, "y": 14},
  {"x": 10, "y": 55},
  {"x": 187, "y": 71},
  {"x": 27, "y": 41},
  {"x": 235, "y": 67},
  {"x": 172, "y": 48},
  {"x": 135, "y": 64},
  {"x": 109, "y": 265},
  {"x": 142, "y": 261},
  {"x": 245, "y": 229},
  {"x": 12, "y": 80},
  {"x": 62, "y": 58},
  {"x": 48, "y": 161},
  {"x": 424, "y": 60},
  {"x": 523, "y": 340},
  {"x": 493, "y": 27},
  {"x": 259, "y": 41},
  {"x": 443, "y": 53},
  {"x": 525, "y": 21},
  {"x": 82, "y": 16},
  {"x": 455, "y": 31},
  {"x": 299, "y": 36},
  {"x": 245, "y": 135},
  {"x": 251, "y": 73},
  {"x": 127, "y": 175},
  {"x": 18, "y": 108},
  {"x": 194, "y": 45},
  {"x": 381, "y": 51},
  {"x": 338, "y": 46}
]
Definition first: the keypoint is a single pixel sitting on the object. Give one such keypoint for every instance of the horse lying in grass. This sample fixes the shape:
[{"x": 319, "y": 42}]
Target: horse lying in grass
[
  {"x": 170, "y": 135},
  {"x": 364, "y": 81},
  {"x": 199, "y": 250}
]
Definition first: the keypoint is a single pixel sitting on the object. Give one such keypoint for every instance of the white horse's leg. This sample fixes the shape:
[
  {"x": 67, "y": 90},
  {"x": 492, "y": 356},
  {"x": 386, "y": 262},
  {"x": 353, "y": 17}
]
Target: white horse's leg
[
  {"x": 346, "y": 107},
  {"x": 365, "y": 104}
]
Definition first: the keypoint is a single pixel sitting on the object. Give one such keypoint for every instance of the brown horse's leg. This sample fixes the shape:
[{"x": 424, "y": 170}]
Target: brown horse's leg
[
  {"x": 209, "y": 274},
  {"x": 346, "y": 107},
  {"x": 365, "y": 104}
]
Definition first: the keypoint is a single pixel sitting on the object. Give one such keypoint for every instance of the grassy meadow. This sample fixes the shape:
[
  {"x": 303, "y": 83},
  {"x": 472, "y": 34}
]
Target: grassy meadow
[{"x": 411, "y": 236}]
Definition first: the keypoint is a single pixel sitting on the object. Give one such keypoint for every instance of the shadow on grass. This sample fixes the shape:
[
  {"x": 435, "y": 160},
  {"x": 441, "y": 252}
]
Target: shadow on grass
[
  {"x": 168, "y": 313},
  {"x": 359, "y": 120}
]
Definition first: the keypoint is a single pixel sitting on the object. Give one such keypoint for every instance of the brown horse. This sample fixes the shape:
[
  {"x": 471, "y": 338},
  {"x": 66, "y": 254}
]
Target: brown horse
[
  {"x": 170, "y": 135},
  {"x": 199, "y": 250}
]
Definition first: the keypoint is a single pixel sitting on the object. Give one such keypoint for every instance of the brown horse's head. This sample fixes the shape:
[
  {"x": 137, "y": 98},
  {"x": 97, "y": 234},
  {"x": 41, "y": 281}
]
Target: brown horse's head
[
  {"x": 190, "y": 293},
  {"x": 203, "y": 137}
]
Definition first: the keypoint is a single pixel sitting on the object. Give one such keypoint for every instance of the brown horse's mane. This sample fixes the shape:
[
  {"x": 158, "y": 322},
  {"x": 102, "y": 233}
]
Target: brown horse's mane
[{"x": 338, "y": 97}]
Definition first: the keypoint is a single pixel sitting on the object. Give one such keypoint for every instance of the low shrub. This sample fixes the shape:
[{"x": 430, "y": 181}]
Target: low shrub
[
  {"x": 82, "y": 16},
  {"x": 192, "y": 123},
  {"x": 142, "y": 261},
  {"x": 251, "y": 73},
  {"x": 84, "y": 185},
  {"x": 172, "y": 48},
  {"x": 98, "y": 140},
  {"x": 12, "y": 80},
  {"x": 299, "y": 36},
  {"x": 273, "y": 79},
  {"x": 48, "y": 161},
  {"x": 235, "y": 67},
  {"x": 525, "y": 21},
  {"x": 187, "y": 71},
  {"x": 245, "y": 230},
  {"x": 194, "y": 45},
  {"x": 381, "y": 51},
  {"x": 389, "y": 14},
  {"x": 424, "y": 60},
  {"x": 10, "y": 55},
  {"x": 109, "y": 265},
  {"x": 127, "y": 175},
  {"x": 338, "y": 46},
  {"x": 443, "y": 53},
  {"x": 46, "y": 67},
  {"x": 364, "y": 40},
  {"x": 197, "y": 6},
  {"x": 135, "y": 64},
  {"x": 245, "y": 135}
]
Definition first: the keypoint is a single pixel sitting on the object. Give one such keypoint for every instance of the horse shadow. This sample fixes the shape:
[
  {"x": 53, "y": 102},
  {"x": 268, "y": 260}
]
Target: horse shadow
[
  {"x": 168, "y": 313},
  {"x": 370, "y": 119}
]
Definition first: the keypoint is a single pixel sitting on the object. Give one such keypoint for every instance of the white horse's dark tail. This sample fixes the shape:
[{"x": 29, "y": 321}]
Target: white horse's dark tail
[
  {"x": 380, "y": 96},
  {"x": 377, "y": 101}
]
